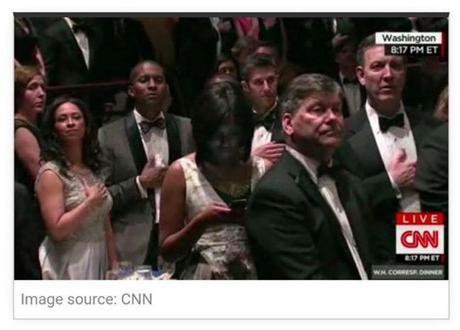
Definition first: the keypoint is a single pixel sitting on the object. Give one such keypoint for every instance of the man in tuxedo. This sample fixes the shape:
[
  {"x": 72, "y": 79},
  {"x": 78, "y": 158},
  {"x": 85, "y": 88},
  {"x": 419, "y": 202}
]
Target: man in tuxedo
[
  {"x": 306, "y": 218},
  {"x": 137, "y": 149},
  {"x": 382, "y": 144},
  {"x": 259, "y": 82},
  {"x": 72, "y": 52},
  {"x": 345, "y": 57}
]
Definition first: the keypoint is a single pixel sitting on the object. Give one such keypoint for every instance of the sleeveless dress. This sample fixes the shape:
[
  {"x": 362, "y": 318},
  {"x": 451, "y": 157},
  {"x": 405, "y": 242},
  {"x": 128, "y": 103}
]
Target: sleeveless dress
[
  {"x": 83, "y": 255},
  {"x": 222, "y": 251}
]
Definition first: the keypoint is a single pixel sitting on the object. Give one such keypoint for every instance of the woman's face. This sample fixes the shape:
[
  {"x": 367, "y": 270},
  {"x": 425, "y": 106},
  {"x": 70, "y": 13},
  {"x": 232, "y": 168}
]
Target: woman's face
[
  {"x": 69, "y": 123},
  {"x": 34, "y": 95},
  {"x": 226, "y": 145}
]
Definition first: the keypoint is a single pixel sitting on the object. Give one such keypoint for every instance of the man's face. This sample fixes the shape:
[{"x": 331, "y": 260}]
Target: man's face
[
  {"x": 346, "y": 56},
  {"x": 317, "y": 125},
  {"x": 148, "y": 87},
  {"x": 261, "y": 88},
  {"x": 383, "y": 76}
]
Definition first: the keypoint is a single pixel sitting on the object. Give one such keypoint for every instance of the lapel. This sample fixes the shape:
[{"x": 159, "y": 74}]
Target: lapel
[
  {"x": 352, "y": 209},
  {"x": 306, "y": 184},
  {"x": 366, "y": 147},
  {"x": 135, "y": 142},
  {"x": 71, "y": 43},
  {"x": 174, "y": 141}
]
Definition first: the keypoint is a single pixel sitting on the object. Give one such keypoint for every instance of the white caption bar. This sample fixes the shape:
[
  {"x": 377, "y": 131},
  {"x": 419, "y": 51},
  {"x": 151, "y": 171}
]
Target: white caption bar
[{"x": 408, "y": 38}]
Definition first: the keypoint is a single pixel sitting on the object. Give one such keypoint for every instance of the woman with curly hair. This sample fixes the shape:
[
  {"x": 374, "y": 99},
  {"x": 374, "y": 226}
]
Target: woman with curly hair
[{"x": 73, "y": 200}]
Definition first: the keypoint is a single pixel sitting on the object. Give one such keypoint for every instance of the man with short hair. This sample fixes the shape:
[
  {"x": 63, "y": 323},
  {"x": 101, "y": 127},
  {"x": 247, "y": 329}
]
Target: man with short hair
[
  {"x": 306, "y": 218},
  {"x": 382, "y": 143},
  {"x": 345, "y": 57},
  {"x": 259, "y": 80},
  {"x": 137, "y": 149}
]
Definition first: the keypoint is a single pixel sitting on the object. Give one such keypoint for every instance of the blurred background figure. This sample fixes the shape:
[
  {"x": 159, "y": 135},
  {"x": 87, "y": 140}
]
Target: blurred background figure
[
  {"x": 441, "y": 110},
  {"x": 73, "y": 200},
  {"x": 29, "y": 102}
]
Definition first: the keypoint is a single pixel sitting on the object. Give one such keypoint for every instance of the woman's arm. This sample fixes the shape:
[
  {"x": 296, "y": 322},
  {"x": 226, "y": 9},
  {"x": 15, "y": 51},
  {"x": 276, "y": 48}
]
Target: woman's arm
[
  {"x": 110, "y": 241},
  {"x": 28, "y": 150},
  {"x": 176, "y": 239},
  {"x": 50, "y": 194}
]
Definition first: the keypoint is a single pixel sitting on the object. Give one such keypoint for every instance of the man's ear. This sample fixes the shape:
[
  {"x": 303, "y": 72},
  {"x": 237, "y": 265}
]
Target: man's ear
[
  {"x": 286, "y": 122},
  {"x": 360, "y": 75},
  {"x": 130, "y": 90},
  {"x": 244, "y": 86}
]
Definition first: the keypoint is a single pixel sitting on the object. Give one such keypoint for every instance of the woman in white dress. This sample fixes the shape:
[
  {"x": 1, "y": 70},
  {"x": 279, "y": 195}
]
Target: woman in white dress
[
  {"x": 73, "y": 200},
  {"x": 204, "y": 193}
]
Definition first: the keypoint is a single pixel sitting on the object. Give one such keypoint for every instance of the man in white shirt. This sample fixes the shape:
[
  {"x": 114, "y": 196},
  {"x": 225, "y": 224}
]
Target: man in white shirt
[
  {"x": 137, "y": 149},
  {"x": 259, "y": 80},
  {"x": 381, "y": 144},
  {"x": 306, "y": 218}
]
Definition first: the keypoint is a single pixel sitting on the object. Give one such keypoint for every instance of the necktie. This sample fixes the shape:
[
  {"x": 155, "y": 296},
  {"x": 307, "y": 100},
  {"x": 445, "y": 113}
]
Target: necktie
[
  {"x": 146, "y": 126},
  {"x": 386, "y": 123},
  {"x": 328, "y": 169}
]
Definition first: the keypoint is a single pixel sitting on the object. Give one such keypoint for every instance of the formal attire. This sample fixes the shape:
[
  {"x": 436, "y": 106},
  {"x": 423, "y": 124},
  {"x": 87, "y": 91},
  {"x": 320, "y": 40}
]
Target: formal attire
[
  {"x": 303, "y": 225},
  {"x": 29, "y": 229},
  {"x": 72, "y": 56},
  {"x": 126, "y": 146},
  {"x": 28, "y": 234},
  {"x": 432, "y": 181},
  {"x": 354, "y": 95},
  {"x": 21, "y": 174},
  {"x": 222, "y": 251},
  {"x": 367, "y": 152},
  {"x": 83, "y": 255},
  {"x": 267, "y": 128}
]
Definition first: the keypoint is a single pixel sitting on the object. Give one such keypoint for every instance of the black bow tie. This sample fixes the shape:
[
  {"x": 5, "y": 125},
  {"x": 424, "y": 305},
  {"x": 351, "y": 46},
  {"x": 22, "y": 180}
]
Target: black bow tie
[
  {"x": 330, "y": 170},
  {"x": 349, "y": 81},
  {"x": 386, "y": 123},
  {"x": 266, "y": 121},
  {"x": 81, "y": 27},
  {"x": 146, "y": 126}
]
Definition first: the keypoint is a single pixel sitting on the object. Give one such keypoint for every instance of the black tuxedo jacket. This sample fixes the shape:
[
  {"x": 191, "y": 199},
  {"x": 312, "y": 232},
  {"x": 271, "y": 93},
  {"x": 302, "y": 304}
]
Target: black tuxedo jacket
[
  {"x": 64, "y": 61},
  {"x": 360, "y": 155},
  {"x": 294, "y": 234}
]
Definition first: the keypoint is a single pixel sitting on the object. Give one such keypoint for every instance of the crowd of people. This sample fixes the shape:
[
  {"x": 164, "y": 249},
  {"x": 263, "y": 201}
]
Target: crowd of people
[{"x": 273, "y": 148}]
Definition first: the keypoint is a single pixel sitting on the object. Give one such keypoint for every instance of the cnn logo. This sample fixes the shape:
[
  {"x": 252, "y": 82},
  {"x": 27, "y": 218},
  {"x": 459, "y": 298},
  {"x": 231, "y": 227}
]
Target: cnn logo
[{"x": 420, "y": 233}]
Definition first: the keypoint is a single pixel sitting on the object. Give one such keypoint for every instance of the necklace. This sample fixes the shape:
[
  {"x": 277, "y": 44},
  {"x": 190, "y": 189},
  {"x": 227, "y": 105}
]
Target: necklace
[{"x": 234, "y": 187}]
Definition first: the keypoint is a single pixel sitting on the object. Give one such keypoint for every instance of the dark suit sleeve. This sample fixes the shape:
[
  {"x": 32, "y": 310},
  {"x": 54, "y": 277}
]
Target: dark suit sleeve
[
  {"x": 49, "y": 48},
  {"x": 124, "y": 192},
  {"x": 282, "y": 245},
  {"x": 432, "y": 171},
  {"x": 377, "y": 187}
]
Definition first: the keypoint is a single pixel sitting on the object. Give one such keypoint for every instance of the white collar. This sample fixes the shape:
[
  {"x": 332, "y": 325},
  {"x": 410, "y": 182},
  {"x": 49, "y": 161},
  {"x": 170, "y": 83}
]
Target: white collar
[{"x": 310, "y": 164}]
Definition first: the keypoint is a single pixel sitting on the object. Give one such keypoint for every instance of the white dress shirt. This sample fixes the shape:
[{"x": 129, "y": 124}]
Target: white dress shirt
[
  {"x": 391, "y": 142},
  {"x": 82, "y": 40},
  {"x": 261, "y": 134},
  {"x": 156, "y": 147},
  {"x": 327, "y": 188}
]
